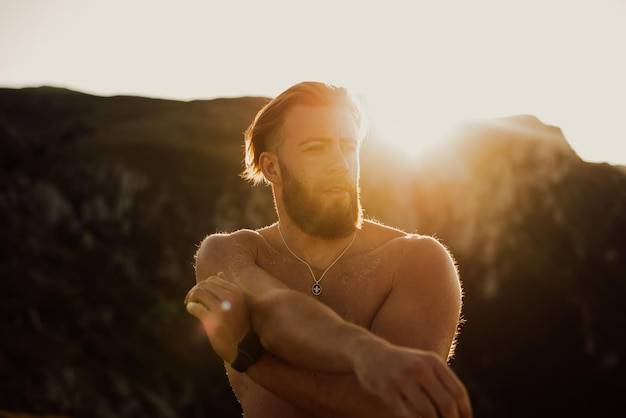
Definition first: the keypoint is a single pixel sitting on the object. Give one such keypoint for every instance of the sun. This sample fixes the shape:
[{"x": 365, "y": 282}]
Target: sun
[{"x": 405, "y": 130}]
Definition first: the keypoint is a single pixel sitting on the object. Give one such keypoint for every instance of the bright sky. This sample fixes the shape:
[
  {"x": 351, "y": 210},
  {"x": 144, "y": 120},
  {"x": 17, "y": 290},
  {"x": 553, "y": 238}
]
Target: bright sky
[{"x": 423, "y": 65}]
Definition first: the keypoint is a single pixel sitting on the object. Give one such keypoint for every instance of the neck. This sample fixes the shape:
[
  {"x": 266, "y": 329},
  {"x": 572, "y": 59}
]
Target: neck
[{"x": 315, "y": 251}]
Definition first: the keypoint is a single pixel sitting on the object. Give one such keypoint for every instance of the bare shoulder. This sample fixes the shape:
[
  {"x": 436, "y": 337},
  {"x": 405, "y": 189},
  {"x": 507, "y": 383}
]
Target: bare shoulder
[
  {"x": 425, "y": 247},
  {"x": 419, "y": 260},
  {"x": 428, "y": 257},
  {"x": 222, "y": 251},
  {"x": 242, "y": 237},
  {"x": 409, "y": 244}
]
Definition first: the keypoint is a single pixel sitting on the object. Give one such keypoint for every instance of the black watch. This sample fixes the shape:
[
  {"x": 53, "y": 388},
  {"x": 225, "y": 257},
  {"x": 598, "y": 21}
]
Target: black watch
[{"x": 249, "y": 352}]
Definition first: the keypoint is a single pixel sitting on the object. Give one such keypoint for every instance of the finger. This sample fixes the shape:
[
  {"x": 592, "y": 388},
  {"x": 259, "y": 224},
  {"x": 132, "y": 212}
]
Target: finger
[
  {"x": 222, "y": 281},
  {"x": 198, "y": 310},
  {"x": 188, "y": 295},
  {"x": 443, "y": 401},
  {"x": 221, "y": 294},
  {"x": 456, "y": 390},
  {"x": 205, "y": 295},
  {"x": 416, "y": 398},
  {"x": 191, "y": 291},
  {"x": 398, "y": 404},
  {"x": 208, "y": 320},
  {"x": 215, "y": 293},
  {"x": 214, "y": 284}
]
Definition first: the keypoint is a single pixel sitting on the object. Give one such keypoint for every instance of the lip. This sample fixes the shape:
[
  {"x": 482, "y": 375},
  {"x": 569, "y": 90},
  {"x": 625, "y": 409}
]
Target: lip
[
  {"x": 337, "y": 190},
  {"x": 337, "y": 186}
]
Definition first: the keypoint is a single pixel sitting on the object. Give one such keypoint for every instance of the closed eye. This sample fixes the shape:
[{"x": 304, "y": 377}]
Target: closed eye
[{"x": 314, "y": 147}]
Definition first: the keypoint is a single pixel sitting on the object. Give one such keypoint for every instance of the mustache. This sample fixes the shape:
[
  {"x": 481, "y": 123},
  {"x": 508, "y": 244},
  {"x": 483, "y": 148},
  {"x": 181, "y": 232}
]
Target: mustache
[{"x": 339, "y": 182}]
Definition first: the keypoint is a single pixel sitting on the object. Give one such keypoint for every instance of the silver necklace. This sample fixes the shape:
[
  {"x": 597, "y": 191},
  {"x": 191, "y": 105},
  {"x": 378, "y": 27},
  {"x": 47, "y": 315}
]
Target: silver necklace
[{"x": 316, "y": 289}]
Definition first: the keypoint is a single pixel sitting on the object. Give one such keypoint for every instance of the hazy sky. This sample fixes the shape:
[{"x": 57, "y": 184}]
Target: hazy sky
[{"x": 423, "y": 65}]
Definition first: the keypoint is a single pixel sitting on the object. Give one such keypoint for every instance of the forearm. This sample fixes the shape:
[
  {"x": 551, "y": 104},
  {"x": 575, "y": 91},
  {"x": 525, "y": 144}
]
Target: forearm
[
  {"x": 401, "y": 377},
  {"x": 318, "y": 394},
  {"x": 306, "y": 333}
]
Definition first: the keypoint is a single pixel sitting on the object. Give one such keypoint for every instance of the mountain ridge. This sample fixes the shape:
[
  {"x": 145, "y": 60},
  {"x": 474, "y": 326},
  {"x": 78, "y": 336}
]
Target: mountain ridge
[{"x": 103, "y": 201}]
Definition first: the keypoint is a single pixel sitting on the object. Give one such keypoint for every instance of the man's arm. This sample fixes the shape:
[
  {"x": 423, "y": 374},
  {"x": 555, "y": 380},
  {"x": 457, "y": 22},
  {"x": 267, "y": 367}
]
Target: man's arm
[
  {"x": 427, "y": 295},
  {"x": 328, "y": 344},
  {"x": 318, "y": 394}
]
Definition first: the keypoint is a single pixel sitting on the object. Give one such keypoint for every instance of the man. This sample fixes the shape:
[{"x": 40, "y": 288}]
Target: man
[{"x": 354, "y": 318}]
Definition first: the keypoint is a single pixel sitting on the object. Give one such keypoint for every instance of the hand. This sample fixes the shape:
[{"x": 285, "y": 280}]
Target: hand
[
  {"x": 413, "y": 383},
  {"x": 221, "y": 307}
]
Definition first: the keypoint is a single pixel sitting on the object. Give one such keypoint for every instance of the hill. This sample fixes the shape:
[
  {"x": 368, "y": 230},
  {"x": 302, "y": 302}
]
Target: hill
[{"x": 104, "y": 199}]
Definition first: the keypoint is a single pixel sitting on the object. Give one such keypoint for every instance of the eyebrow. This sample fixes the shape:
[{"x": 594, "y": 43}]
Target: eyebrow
[
  {"x": 310, "y": 139},
  {"x": 314, "y": 139}
]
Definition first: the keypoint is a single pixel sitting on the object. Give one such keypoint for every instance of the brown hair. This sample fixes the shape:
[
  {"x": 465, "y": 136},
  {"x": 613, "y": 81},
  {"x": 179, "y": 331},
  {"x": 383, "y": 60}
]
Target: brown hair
[{"x": 264, "y": 132}]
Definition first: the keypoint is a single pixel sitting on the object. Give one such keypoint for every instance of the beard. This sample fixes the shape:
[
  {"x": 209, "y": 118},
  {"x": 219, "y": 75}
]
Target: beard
[{"x": 316, "y": 217}]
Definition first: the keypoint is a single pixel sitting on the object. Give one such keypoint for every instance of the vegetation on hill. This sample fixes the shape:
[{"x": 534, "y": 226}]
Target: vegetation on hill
[{"x": 104, "y": 199}]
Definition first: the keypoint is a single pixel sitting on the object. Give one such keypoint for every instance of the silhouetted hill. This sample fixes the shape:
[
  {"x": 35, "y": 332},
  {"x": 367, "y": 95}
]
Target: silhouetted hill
[
  {"x": 540, "y": 237},
  {"x": 103, "y": 200}
]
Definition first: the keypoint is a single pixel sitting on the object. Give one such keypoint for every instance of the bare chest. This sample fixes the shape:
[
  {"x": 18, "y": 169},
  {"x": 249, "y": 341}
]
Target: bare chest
[{"x": 355, "y": 287}]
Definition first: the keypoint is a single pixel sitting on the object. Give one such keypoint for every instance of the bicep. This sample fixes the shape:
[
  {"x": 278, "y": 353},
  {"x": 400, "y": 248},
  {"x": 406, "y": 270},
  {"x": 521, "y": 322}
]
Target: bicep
[{"x": 423, "y": 307}]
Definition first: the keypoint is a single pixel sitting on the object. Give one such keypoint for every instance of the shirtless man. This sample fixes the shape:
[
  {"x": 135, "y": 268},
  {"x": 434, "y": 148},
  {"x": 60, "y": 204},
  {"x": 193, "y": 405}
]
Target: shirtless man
[{"x": 355, "y": 319}]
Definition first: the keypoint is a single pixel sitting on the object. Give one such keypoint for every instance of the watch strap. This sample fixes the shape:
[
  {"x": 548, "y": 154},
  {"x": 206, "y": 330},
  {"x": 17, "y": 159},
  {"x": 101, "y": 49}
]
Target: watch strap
[{"x": 249, "y": 352}]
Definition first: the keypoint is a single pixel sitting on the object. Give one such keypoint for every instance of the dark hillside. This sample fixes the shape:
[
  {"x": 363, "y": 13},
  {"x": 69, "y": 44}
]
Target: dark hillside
[
  {"x": 103, "y": 200},
  {"x": 540, "y": 237}
]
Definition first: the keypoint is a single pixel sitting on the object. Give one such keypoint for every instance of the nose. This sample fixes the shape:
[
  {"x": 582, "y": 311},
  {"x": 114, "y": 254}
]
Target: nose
[{"x": 339, "y": 161}]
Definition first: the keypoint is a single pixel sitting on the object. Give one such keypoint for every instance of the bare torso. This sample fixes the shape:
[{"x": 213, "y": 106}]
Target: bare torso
[{"x": 355, "y": 287}]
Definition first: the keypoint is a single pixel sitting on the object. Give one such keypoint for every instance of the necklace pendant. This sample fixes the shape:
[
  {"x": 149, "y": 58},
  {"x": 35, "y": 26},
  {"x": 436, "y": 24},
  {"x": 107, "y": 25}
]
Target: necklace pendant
[{"x": 316, "y": 289}]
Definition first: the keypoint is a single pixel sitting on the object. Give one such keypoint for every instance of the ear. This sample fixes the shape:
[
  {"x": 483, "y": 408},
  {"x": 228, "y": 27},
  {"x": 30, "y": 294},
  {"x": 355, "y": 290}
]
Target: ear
[{"x": 268, "y": 161}]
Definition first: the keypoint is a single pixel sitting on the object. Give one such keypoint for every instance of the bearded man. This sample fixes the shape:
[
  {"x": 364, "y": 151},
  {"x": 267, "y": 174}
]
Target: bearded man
[{"x": 325, "y": 314}]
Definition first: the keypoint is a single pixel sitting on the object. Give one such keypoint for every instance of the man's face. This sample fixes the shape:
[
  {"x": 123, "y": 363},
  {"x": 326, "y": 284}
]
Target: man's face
[{"x": 319, "y": 165}]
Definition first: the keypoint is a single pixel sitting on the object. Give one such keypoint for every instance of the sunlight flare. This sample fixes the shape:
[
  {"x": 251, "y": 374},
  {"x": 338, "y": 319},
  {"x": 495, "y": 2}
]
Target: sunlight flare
[{"x": 406, "y": 130}]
